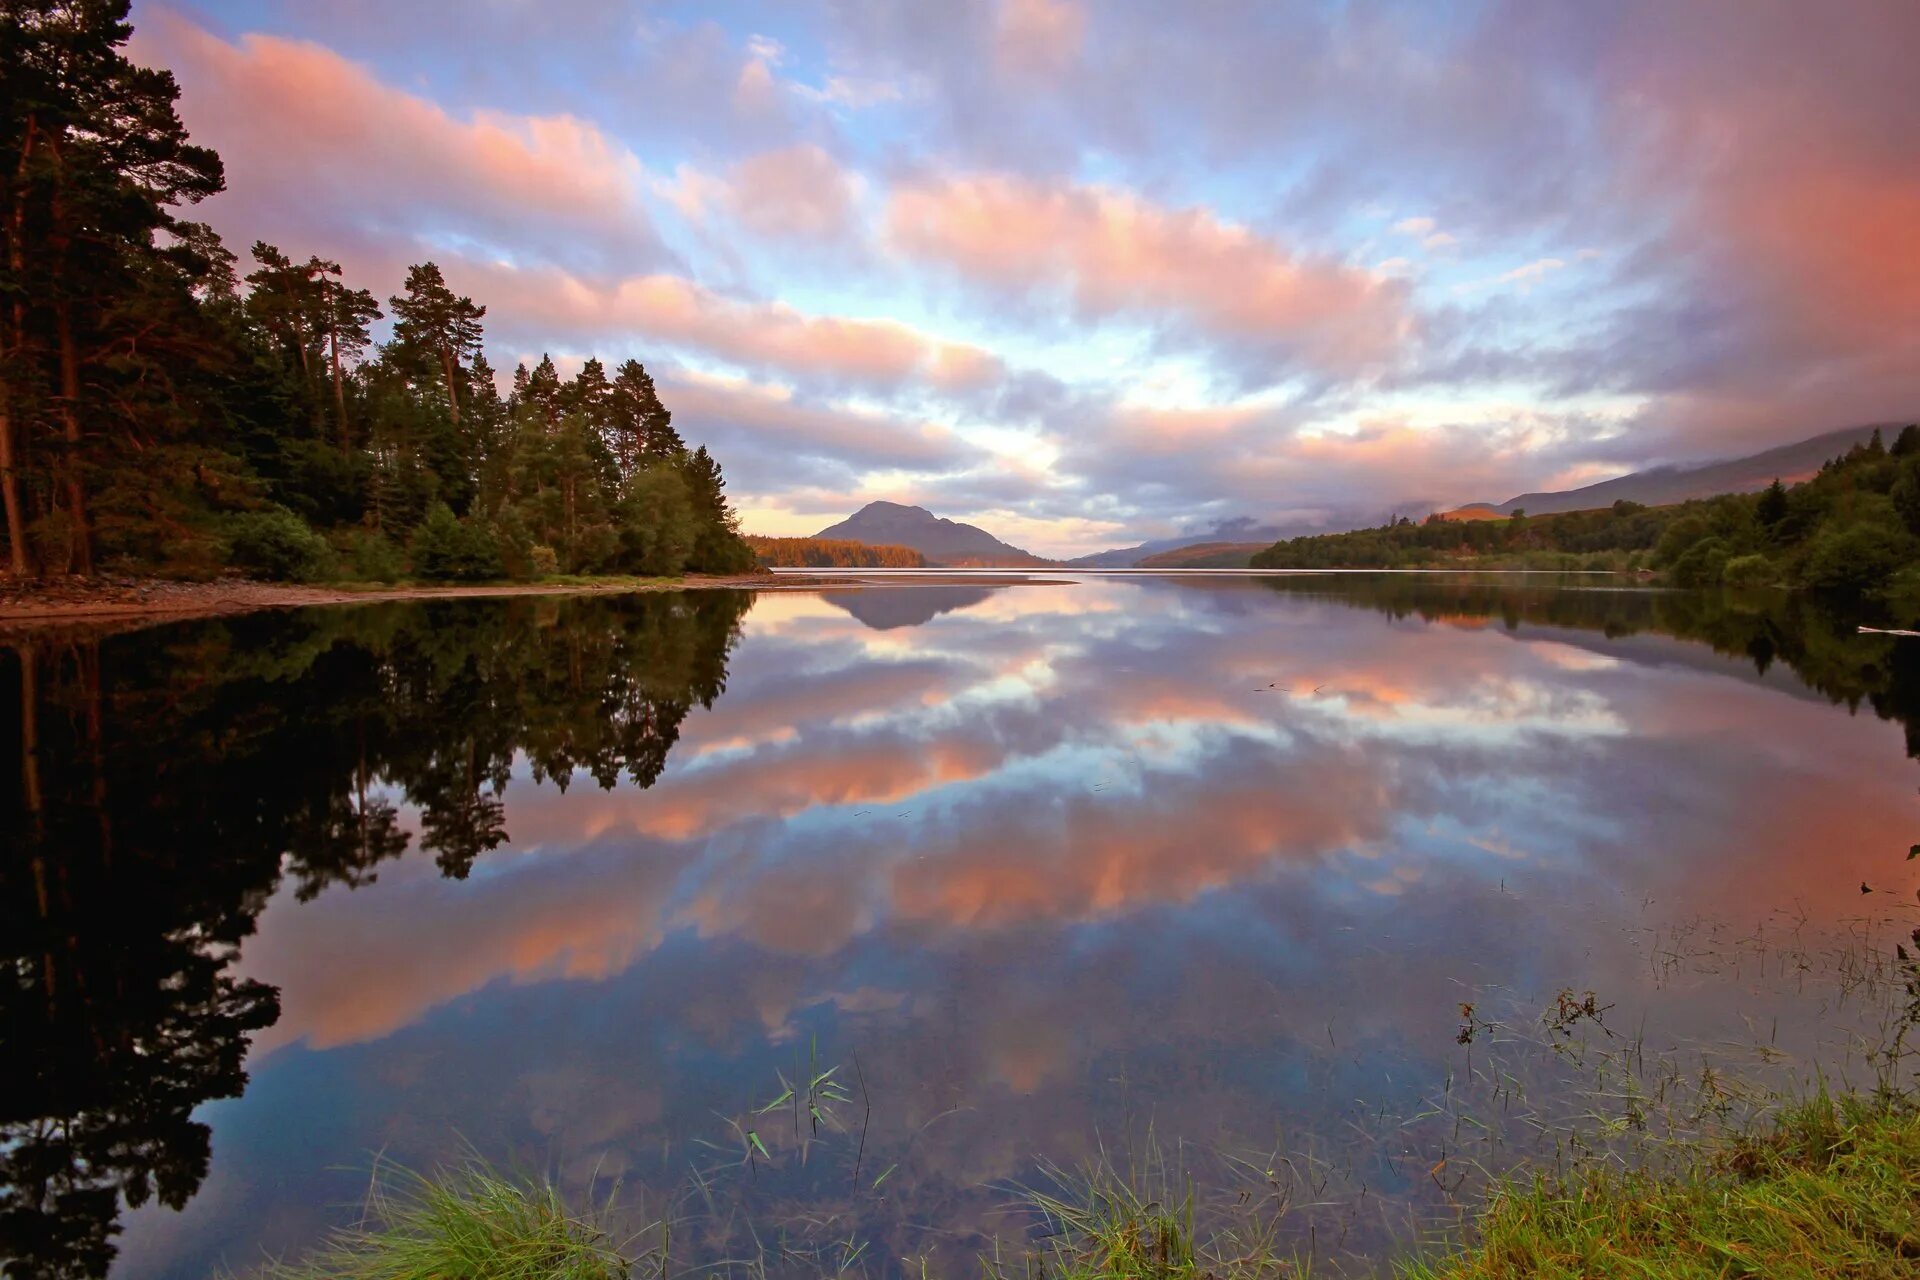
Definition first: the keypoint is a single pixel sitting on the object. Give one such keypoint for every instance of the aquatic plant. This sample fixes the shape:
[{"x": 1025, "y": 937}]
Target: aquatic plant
[{"x": 465, "y": 1222}]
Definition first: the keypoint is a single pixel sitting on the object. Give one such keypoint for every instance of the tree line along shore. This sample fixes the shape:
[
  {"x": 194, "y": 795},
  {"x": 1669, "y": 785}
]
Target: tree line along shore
[
  {"x": 168, "y": 409},
  {"x": 1852, "y": 528}
]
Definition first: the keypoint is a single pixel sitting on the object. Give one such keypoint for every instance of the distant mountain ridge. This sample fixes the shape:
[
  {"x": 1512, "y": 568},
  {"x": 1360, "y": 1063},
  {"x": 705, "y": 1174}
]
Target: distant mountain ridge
[
  {"x": 1204, "y": 555},
  {"x": 1661, "y": 486},
  {"x": 941, "y": 541},
  {"x": 1244, "y": 529}
]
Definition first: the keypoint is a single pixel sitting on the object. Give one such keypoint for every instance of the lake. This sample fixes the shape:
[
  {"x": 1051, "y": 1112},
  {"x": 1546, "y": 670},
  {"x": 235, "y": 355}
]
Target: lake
[{"x": 1198, "y": 873}]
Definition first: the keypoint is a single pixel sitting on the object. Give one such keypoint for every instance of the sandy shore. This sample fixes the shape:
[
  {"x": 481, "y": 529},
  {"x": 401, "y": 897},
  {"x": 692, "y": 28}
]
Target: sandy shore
[{"x": 147, "y": 600}]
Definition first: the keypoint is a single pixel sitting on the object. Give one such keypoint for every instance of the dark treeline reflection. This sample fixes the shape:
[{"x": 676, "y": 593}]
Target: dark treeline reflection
[
  {"x": 164, "y": 784},
  {"x": 1818, "y": 640}
]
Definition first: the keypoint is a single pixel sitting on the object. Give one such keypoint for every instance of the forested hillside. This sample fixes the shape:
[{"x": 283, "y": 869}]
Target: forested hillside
[
  {"x": 166, "y": 407},
  {"x": 832, "y": 553},
  {"x": 1854, "y": 527}
]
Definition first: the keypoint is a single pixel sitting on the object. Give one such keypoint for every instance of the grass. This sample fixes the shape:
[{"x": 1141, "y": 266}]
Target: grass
[
  {"x": 1832, "y": 1190},
  {"x": 1565, "y": 1150},
  {"x": 462, "y": 1223}
]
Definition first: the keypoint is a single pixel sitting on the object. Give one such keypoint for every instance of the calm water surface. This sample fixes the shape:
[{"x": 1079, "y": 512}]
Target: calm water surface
[{"x": 580, "y": 884}]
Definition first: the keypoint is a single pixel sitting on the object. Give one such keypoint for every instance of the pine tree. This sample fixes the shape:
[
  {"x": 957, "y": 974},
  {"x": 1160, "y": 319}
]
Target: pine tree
[
  {"x": 97, "y": 157},
  {"x": 432, "y": 324},
  {"x": 642, "y": 425},
  {"x": 718, "y": 547},
  {"x": 543, "y": 392},
  {"x": 156, "y": 410},
  {"x": 346, "y": 314},
  {"x": 1772, "y": 507}
]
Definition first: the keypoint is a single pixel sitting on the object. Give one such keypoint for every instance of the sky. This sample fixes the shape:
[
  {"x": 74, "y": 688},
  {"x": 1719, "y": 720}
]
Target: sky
[{"x": 1091, "y": 271}]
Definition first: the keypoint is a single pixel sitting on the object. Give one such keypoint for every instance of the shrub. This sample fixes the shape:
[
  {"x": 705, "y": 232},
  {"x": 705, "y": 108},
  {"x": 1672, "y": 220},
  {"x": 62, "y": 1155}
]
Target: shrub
[
  {"x": 721, "y": 550},
  {"x": 594, "y": 549},
  {"x": 1749, "y": 571},
  {"x": 542, "y": 560},
  {"x": 278, "y": 545},
  {"x": 1701, "y": 564},
  {"x": 516, "y": 545},
  {"x": 454, "y": 550},
  {"x": 1858, "y": 558},
  {"x": 372, "y": 557}
]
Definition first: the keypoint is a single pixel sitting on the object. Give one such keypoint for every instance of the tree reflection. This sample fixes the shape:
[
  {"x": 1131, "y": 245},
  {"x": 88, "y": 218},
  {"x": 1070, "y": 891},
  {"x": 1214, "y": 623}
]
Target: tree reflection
[
  {"x": 168, "y": 782},
  {"x": 1818, "y": 640}
]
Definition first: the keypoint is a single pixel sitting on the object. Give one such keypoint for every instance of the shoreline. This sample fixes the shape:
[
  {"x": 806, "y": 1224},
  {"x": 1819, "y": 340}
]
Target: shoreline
[
  {"x": 158, "y": 600},
  {"x": 166, "y": 600}
]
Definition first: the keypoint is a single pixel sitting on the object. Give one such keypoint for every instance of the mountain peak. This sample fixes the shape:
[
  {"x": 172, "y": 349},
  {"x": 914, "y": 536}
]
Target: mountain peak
[{"x": 941, "y": 541}]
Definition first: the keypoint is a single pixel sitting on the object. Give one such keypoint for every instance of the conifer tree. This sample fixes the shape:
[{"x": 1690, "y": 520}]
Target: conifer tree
[
  {"x": 433, "y": 324},
  {"x": 97, "y": 158}
]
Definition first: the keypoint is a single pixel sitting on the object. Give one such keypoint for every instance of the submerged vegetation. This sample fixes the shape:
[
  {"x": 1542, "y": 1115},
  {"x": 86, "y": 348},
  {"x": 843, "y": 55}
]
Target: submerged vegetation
[
  {"x": 1854, "y": 528},
  {"x": 171, "y": 783},
  {"x": 1829, "y": 1187},
  {"x": 1565, "y": 1149},
  {"x": 164, "y": 409}
]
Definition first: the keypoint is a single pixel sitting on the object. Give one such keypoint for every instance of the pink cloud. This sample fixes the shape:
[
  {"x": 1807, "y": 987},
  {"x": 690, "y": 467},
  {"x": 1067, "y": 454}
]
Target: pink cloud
[
  {"x": 315, "y": 142},
  {"x": 1117, "y": 254},
  {"x": 795, "y": 192},
  {"x": 762, "y": 335},
  {"x": 780, "y": 426},
  {"x": 1039, "y": 37},
  {"x": 1789, "y": 149}
]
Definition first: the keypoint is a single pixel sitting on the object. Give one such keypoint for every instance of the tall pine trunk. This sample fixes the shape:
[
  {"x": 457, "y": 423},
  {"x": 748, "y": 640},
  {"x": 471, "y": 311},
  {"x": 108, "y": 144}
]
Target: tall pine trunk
[
  {"x": 339, "y": 384},
  {"x": 15, "y": 342},
  {"x": 10, "y": 490},
  {"x": 453, "y": 395},
  {"x": 70, "y": 428},
  {"x": 81, "y": 558}
]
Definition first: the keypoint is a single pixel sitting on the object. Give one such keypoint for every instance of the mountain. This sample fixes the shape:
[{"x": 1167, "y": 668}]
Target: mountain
[
  {"x": 1242, "y": 529},
  {"x": 1204, "y": 555},
  {"x": 942, "y": 542},
  {"x": 1664, "y": 485}
]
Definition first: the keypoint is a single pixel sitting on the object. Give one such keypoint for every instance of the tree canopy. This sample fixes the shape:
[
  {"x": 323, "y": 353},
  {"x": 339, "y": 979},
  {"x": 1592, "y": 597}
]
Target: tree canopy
[
  {"x": 161, "y": 411},
  {"x": 1853, "y": 528}
]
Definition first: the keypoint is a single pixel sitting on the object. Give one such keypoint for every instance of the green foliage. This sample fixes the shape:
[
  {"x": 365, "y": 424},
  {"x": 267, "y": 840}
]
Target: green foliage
[
  {"x": 656, "y": 524},
  {"x": 1855, "y": 558},
  {"x": 1905, "y": 491},
  {"x": 1832, "y": 1190},
  {"x": 153, "y": 395},
  {"x": 278, "y": 545},
  {"x": 1772, "y": 507},
  {"x": 450, "y": 549},
  {"x": 464, "y": 1223},
  {"x": 370, "y": 556},
  {"x": 1853, "y": 529},
  {"x": 1752, "y": 570},
  {"x": 1697, "y": 564}
]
